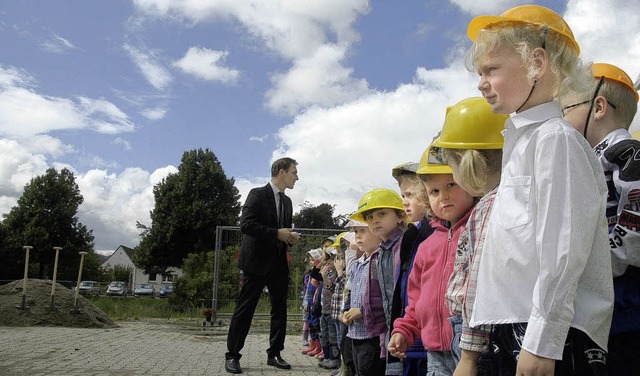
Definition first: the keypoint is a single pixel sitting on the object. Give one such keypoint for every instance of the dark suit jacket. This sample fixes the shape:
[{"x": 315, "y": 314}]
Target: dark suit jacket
[{"x": 261, "y": 250}]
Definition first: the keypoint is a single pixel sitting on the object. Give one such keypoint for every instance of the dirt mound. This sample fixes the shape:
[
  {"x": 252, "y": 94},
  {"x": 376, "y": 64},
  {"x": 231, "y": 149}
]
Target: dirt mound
[{"x": 39, "y": 313}]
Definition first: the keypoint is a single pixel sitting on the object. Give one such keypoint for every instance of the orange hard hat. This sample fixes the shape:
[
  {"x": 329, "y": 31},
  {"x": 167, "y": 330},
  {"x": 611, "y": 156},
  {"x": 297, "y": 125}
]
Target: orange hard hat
[
  {"x": 531, "y": 14},
  {"x": 613, "y": 73}
]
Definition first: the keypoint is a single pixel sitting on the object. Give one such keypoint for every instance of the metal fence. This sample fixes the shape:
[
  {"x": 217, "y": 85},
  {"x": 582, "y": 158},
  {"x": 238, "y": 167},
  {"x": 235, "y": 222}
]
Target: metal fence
[{"x": 226, "y": 283}]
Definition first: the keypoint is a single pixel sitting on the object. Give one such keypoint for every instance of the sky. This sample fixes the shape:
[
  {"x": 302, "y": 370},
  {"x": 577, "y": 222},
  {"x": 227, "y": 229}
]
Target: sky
[{"x": 117, "y": 91}]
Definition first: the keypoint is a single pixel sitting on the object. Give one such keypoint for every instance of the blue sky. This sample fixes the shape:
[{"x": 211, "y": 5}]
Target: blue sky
[{"x": 118, "y": 90}]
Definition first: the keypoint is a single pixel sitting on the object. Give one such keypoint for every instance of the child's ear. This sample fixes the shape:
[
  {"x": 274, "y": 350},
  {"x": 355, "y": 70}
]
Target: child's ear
[
  {"x": 539, "y": 62},
  {"x": 600, "y": 107}
]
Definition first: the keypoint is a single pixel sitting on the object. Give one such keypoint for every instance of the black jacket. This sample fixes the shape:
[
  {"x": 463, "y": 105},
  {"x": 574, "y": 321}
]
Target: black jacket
[{"x": 260, "y": 249}]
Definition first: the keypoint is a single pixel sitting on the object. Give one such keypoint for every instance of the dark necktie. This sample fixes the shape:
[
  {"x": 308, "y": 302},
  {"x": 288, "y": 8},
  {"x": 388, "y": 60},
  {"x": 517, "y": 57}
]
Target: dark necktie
[{"x": 281, "y": 210}]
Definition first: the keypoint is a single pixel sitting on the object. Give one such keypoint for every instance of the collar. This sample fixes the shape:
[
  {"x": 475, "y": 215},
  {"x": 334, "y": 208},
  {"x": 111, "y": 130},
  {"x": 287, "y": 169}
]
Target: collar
[
  {"x": 534, "y": 115},
  {"x": 276, "y": 190},
  {"x": 397, "y": 234}
]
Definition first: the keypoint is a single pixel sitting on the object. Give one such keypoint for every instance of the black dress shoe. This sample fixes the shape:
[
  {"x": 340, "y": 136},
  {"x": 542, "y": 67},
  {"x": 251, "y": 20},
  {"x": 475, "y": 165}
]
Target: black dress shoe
[
  {"x": 278, "y": 362},
  {"x": 232, "y": 365}
]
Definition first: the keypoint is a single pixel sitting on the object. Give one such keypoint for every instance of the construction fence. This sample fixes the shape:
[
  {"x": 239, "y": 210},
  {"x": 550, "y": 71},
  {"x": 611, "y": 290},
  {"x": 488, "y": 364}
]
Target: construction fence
[{"x": 227, "y": 275}]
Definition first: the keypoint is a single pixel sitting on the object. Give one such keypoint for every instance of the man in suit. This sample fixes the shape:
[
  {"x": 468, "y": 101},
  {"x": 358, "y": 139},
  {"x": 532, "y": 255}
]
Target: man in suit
[{"x": 266, "y": 233}]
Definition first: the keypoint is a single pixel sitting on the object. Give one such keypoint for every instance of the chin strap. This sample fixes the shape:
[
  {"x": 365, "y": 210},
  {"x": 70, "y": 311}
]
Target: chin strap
[{"x": 593, "y": 101}]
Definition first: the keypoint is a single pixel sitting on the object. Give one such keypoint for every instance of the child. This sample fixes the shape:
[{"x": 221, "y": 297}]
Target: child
[
  {"x": 337, "y": 299},
  {"x": 543, "y": 278},
  {"x": 312, "y": 318},
  {"x": 472, "y": 141},
  {"x": 383, "y": 211},
  {"x": 426, "y": 315},
  {"x": 364, "y": 313},
  {"x": 416, "y": 204},
  {"x": 603, "y": 117},
  {"x": 305, "y": 283},
  {"x": 329, "y": 358}
]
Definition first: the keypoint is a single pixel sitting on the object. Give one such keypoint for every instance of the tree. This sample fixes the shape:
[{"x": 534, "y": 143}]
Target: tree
[
  {"x": 46, "y": 217},
  {"x": 320, "y": 216},
  {"x": 189, "y": 205}
]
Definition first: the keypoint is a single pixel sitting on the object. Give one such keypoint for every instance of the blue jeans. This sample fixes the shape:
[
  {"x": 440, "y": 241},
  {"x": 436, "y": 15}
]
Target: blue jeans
[
  {"x": 440, "y": 363},
  {"x": 456, "y": 327}
]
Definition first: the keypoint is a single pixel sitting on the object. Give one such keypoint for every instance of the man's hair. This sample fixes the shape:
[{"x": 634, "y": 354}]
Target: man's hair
[
  {"x": 569, "y": 72},
  {"x": 475, "y": 165},
  {"x": 282, "y": 164}
]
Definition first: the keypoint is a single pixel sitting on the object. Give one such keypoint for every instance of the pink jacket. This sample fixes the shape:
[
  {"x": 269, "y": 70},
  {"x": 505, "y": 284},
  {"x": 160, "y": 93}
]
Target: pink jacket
[{"x": 427, "y": 314}]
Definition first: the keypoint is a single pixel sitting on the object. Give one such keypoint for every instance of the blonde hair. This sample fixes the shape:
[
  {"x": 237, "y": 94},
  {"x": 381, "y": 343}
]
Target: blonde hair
[
  {"x": 425, "y": 179},
  {"x": 475, "y": 166},
  {"x": 622, "y": 98},
  {"x": 414, "y": 181},
  {"x": 570, "y": 74}
]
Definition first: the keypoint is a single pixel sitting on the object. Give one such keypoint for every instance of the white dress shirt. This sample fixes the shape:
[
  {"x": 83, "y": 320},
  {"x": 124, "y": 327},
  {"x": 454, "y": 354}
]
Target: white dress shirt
[{"x": 546, "y": 258}]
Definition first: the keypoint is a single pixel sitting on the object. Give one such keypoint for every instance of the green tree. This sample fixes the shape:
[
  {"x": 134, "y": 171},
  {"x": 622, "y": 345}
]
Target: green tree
[
  {"x": 320, "y": 216},
  {"x": 46, "y": 217},
  {"x": 189, "y": 205}
]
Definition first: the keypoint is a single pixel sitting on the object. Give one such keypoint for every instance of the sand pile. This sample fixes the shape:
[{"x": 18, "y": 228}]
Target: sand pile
[{"x": 39, "y": 312}]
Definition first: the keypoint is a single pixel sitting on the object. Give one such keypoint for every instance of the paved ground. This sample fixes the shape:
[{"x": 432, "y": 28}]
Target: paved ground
[{"x": 157, "y": 348}]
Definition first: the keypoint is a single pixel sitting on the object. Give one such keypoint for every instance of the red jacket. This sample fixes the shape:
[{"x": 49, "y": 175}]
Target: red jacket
[{"x": 427, "y": 314}]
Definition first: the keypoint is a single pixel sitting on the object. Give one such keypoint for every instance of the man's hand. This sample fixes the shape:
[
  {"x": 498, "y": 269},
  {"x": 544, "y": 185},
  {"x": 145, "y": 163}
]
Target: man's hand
[
  {"x": 285, "y": 235},
  {"x": 468, "y": 365},
  {"x": 533, "y": 365},
  {"x": 397, "y": 346}
]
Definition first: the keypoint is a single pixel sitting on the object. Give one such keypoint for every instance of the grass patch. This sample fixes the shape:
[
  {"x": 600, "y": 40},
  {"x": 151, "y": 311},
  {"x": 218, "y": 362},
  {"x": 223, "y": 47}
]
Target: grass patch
[{"x": 118, "y": 308}]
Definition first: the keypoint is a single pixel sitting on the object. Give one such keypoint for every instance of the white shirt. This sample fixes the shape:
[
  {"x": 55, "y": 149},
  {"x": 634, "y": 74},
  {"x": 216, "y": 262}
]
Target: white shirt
[
  {"x": 276, "y": 190},
  {"x": 546, "y": 258}
]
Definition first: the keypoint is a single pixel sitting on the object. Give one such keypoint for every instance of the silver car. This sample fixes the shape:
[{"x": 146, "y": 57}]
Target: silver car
[{"x": 117, "y": 288}]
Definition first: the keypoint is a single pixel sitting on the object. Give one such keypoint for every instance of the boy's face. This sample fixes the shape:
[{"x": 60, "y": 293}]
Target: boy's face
[
  {"x": 383, "y": 222},
  {"x": 447, "y": 199},
  {"x": 365, "y": 240},
  {"x": 415, "y": 209},
  {"x": 503, "y": 80}
]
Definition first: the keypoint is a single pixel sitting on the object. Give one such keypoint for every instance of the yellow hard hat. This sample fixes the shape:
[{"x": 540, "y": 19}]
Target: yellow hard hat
[
  {"x": 531, "y": 14},
  {"x": 379, "y": 198},
  {"x": 471, "y": 124},
  {"x": 613, "y": 73},
  {"x": 336, "y": 243},
  {"x": 432, "y": 161}
]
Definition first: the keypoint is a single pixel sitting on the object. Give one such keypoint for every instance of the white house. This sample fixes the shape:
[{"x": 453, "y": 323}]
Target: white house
[{"x": 123, "y": 257}]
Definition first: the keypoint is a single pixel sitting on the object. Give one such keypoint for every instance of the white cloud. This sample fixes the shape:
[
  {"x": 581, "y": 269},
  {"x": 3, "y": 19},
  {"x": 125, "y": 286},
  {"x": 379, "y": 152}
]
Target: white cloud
[
  {"x": 346, "y": 150},
  {"x": 477, "y": 7},
  {"x": 114, "y": 202},
  {"x": 121, "y": 141},
  {"x": 320, "y": 79},
  {"x": 156, "y": 113},
  {"x": 305, "y": 33},
  {"x": 260, "y": 139},
  {"x": 58, "y": 45},
  {"x": 206, "y": 64},
  {"x": 25, "y": 112},
  {"x": 151, "y": 69}
]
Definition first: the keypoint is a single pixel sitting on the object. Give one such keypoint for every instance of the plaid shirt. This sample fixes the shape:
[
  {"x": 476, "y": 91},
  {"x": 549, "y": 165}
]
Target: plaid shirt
[
  {"x": 338, "y": 297},
  {"x": 358, "y": 282},
  {"x": 461, "y": 291}
]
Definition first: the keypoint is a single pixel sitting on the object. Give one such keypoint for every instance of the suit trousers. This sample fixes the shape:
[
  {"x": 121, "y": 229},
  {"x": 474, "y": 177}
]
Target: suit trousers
[{"x": 277, "y": 281}]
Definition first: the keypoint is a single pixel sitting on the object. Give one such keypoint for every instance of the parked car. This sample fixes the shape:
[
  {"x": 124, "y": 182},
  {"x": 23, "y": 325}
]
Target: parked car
[
  {"x": 144, "y": 289},
  {"x": 117, "y": 288},
  {"x": 89, "y": 288},
  {"x": 166, "y": 290}
]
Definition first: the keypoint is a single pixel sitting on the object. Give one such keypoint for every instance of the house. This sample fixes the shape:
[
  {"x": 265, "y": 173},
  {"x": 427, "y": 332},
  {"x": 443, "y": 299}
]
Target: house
[{"x": 123, "y": 256}]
